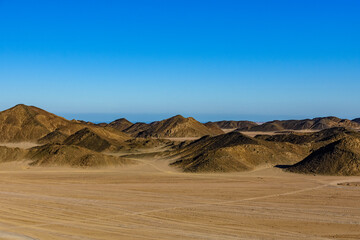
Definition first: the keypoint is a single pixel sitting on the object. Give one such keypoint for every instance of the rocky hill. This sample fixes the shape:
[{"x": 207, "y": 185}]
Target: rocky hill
[
  {"x": 70, "y": 155},
  {"x": 120, "y": 124},
  {"x": 341, "y": 157},
  {"x": 177, "y": 126},
  {"x": 94, "y": 140},
  {"x": 235, "y": 152},
  {"x": 28, "y": 123},
  {"x": 306, "y": 124},
  {"x": 357, "y": 120},
  {"x": 236, "y": 124}
]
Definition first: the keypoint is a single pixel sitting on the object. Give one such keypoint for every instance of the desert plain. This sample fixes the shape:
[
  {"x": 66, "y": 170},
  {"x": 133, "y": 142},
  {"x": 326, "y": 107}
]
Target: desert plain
[{"x": 150, "y": 200}]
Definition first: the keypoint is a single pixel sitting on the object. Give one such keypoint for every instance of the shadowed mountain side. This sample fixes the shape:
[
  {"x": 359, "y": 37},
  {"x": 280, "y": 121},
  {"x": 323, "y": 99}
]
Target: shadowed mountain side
[
  {"x": 106, "y": 132},
  {"x": 306, "y": 124},
  {"x": 357, "y": 120},
  {"x": 235, "y": 124},
  {"x": 235, "y": 152},
  {"x": 177, "y": 126},
  {"x": 214, "y": 127},
  {"x": 120, "y": 124},
  {"x": 96, "y": 139},
  {"x": 331, "y": 134},
  {"x": 140, "y": 143},
  {"x": 338, "y": 158},
  {"x": 134, "y": 129},
  {"x": 70, "y": 155},
  {"x": 11, "y": 154},
  {"x": 53, "y": 137}
]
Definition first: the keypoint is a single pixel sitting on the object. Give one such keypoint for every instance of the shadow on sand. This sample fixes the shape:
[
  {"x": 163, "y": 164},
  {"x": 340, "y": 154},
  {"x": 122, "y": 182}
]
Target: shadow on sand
[{"x": 283, "y": 166}]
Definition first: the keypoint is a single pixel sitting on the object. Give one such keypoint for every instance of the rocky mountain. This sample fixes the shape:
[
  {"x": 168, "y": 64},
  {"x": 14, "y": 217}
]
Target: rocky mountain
[
  {"x": 306, "y": 124},
  {"x": 236, "y": 124},
  {"x": 177, "y": 126},
  {"x": 341, "y": 157}
]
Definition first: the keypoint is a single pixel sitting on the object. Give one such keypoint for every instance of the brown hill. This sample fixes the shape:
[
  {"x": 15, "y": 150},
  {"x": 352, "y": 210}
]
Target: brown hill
[
  {"x": 306, "y": 124},
  {"x": 70, "y": 155},
  {"x": 120, "y": 124},
  {"x": 141, "y": 144},
  {"x": 357, "y": 120},
  {"x": 214, "y": 127},
  {"x": 53, "y": 137},
  {"x": 11, "y": 154},
  {"x": 178, "y": 126},
  {"x": 83, "y": 122},
  {"x": 28, "y": 123},
  {"x": 330, "y": 134},
  {"x": 338, "y": 158},
  {"x": 134, "y": 129},
  {"x": 96, "y": 139},
  {"x": 235, "y": 152},
  {"x": 103, "y": 131},
  {"x": 236, "y": 124}
]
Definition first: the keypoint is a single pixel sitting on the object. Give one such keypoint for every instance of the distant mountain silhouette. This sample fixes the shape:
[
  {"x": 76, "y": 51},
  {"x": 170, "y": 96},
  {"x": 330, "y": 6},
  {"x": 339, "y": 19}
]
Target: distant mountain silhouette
[{"x": 306, "y": 124}]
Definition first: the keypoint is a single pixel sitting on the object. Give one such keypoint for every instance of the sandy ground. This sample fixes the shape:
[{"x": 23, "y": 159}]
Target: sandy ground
[
  {"x": 254, "y": 133},
  {"x": 227, "y": 130},
  {"x": 24, "y": 145},
  {"x": 181, "y": 139},
  {"x": 151, "y": 200}
]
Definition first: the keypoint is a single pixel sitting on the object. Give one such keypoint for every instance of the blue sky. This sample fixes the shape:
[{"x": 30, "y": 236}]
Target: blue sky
[{"x": 214, "y": 60}]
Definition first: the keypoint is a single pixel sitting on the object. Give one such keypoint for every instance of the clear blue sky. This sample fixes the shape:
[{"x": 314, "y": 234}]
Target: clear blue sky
[{"x": 145, "y": 60}]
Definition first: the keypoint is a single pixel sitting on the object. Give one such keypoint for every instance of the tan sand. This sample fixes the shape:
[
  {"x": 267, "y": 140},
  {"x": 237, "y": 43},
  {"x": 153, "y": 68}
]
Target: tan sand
[
  {"x": 254, "y": 133},
  {"x": 24, "y": 145},
  {"x": 151, "y": 200}
]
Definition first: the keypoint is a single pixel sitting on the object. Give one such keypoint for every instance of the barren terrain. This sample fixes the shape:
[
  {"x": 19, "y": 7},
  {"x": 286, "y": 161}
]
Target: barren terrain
[{"x": 151, "y": 200}]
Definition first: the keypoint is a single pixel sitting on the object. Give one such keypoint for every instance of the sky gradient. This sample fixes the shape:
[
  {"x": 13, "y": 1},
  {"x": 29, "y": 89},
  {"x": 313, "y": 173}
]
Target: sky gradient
[{"x": 214, "y": 60}]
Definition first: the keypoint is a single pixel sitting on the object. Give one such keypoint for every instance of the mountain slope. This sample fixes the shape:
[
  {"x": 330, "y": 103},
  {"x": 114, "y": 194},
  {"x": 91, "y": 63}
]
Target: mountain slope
[
  {"x": 120, "y": 124},
  {"x": 53, "y": 137},
  {"x": 89, "y": 139},
  {"x": 305, "y": 124},
  {"x": 214, "y": 127},
  {"x": 70, "y": 155},
  {"x": 236, "y": 124},
  {"x": 357, "y": 120},
  {"x": 28, "y": 123},
  {"x": 178, "y": 126},
  {"x": 338, "y": 158},
  {"x": 11, "y": 154},
  {"x": 330, "y": 134},
  {"x": 235, "y": 152},
  {"x": 134, "y": 129}
]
